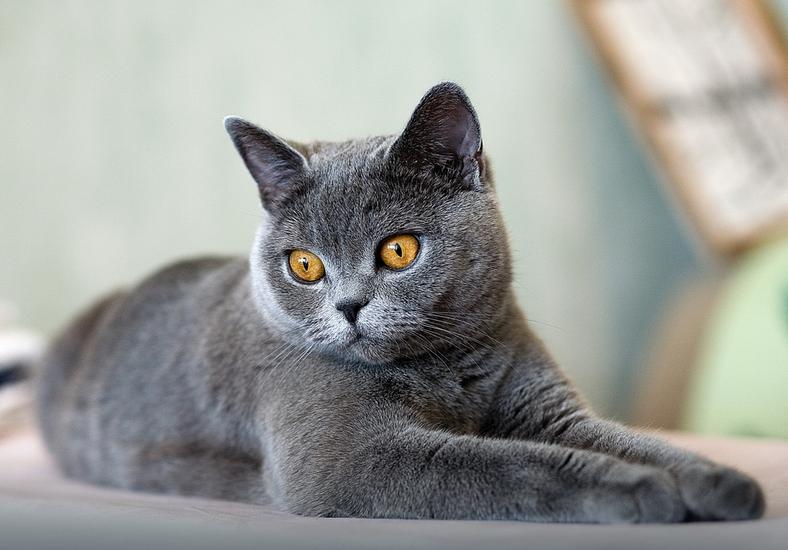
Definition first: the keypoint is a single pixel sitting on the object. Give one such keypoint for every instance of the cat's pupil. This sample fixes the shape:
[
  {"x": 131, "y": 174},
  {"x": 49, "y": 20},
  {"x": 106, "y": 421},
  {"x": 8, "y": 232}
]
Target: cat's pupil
[
  {"x": 398, "y": 249},
  {"x": 305, "y": 264}
]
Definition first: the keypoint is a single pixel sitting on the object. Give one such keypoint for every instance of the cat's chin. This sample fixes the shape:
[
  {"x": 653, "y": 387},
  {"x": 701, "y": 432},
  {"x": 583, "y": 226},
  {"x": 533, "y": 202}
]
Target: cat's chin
[
  {"x": 367, "y": 350},
  {"x": 364, "y": 350},
  {"x": 365, "y": 346}
]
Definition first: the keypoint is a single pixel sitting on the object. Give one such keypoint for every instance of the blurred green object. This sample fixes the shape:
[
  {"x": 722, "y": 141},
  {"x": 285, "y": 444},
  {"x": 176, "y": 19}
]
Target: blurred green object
[{"x": 741, "y": 385}]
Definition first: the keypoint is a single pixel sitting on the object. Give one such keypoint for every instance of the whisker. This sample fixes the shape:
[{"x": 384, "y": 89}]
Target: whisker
[
  {"x": 434, "y": 353},
  {"x": 298, "y": 361},
  {"x": 465, "y": 316},
  {"x": 456, "y": 334}
]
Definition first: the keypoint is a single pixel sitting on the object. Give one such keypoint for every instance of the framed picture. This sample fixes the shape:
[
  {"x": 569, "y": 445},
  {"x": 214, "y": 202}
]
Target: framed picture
[{"x": 706, "y": 84}]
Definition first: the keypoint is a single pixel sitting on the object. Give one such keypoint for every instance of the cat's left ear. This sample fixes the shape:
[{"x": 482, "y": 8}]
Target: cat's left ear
[
  {"x": 274, "y": 165},
  {"x": 443, "y": 137}
]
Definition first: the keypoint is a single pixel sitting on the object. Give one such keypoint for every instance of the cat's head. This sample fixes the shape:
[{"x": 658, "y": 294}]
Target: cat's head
[{"x": 382, "y": 248}]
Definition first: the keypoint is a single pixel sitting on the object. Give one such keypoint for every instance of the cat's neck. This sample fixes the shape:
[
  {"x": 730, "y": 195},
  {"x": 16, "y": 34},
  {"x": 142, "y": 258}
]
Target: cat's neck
[{"x": 489, "y": 345}]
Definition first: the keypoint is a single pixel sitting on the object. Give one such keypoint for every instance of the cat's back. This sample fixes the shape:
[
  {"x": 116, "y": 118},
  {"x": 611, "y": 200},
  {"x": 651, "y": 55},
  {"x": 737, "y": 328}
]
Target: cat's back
[{"x": 119, "y": 345}]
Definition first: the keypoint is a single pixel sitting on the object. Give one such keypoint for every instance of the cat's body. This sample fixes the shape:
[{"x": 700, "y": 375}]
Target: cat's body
[{"x": 417, "y": 392}]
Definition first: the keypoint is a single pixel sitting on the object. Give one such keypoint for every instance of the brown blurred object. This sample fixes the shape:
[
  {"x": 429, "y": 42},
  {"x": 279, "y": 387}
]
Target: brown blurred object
[
  {"x": 706, "y": 85},
  {"x": 671, "y": 356}
]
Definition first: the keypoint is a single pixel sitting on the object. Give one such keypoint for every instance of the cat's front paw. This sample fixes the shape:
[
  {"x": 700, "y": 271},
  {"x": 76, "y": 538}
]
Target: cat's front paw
[
  {"x": 713, "y": 492},
  {"x": 632, "y": 493}
]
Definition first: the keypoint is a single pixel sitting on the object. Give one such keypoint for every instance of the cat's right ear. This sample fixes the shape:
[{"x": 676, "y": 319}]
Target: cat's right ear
[
  {"x": 273, "y": 164},
  {"x": 443, "y": 138}
]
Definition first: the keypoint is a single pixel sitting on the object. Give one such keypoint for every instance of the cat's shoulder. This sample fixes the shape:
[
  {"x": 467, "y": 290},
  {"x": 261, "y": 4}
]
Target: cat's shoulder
[
  {"x": 193, "y": 268},
  {"x": 225, "y": 270}
]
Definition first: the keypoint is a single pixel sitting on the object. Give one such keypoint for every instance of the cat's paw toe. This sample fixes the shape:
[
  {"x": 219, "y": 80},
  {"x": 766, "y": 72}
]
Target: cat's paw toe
[
  {"x": 717, "y": 493},
  {"x": 658, "y": 500},
  {"x": 641, "y": 494}
]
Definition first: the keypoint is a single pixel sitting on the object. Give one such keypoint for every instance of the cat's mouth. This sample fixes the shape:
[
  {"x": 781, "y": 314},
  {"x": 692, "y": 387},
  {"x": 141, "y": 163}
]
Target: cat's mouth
[
  {"x": 366, "y": 344},
  {"x": 351, "y": 336},
  {"x": 372, "y": 349},
  {"x": 361, "y": 344}
]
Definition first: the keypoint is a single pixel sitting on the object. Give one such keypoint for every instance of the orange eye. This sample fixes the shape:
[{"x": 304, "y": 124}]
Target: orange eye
[
  {"x": 399, "y": 251},
  {"x": 305, "y": 266}
]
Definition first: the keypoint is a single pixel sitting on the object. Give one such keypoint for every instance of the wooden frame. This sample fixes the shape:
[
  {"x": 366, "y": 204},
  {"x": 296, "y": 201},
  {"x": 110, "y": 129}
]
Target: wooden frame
[{"x": 729, "y": 209}]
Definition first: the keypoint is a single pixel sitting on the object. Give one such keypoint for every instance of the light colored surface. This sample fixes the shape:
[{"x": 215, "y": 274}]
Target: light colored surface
[{"x": 39, "y": 508}]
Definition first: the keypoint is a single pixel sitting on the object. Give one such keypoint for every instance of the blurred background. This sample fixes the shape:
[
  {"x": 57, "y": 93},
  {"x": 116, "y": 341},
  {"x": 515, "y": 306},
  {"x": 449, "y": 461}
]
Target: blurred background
[{"x": 114, "y": 160}]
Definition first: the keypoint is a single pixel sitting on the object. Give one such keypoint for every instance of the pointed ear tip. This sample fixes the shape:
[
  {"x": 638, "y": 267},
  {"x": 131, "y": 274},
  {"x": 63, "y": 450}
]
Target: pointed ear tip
[
  {"x": 451, "y": 92},
  {"x": 449, "y": 87},
  {"x": 232, "y": 122}
]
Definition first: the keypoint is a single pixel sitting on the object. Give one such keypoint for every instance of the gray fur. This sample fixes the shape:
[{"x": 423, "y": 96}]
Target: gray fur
[{"x": 229, "y": 379}]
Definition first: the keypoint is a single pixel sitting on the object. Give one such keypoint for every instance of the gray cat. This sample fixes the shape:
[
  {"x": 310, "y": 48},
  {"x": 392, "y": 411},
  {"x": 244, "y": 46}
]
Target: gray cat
[{"x": 368, "y": 360}]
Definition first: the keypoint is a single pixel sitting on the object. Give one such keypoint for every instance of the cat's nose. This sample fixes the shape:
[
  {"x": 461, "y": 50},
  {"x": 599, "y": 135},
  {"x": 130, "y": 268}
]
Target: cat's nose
[{"x": 350, "y": 308}]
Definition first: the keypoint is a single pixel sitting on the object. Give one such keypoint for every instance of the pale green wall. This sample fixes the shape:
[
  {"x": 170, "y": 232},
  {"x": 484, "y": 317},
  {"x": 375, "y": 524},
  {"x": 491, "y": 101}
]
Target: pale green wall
[{"x": 114, "y": 159}]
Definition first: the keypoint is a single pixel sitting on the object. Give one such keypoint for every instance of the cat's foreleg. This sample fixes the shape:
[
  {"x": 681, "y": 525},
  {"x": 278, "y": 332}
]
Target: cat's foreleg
[
  {"x": 371, "y": 469},
  {"x": 711, "y": 491},
  {"x": 535, "y": 402}
]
